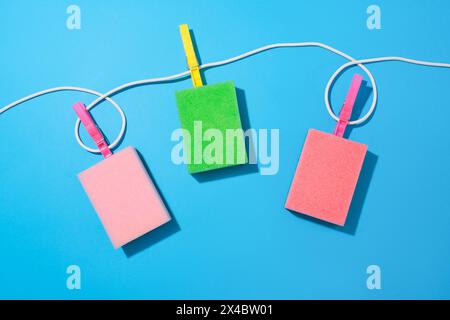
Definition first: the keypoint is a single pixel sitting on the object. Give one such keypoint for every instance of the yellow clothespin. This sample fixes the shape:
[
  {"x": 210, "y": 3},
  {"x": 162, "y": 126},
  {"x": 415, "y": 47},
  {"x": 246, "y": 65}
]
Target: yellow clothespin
[{"x": 190, "y": 55}]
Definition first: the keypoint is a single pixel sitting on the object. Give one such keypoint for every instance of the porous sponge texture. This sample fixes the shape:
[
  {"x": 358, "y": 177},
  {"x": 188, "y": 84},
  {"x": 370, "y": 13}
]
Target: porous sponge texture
[
  {"x": 124, "y": 196},
  {"x": 213, "y": 107},
  {"x": 326, "y": 177}
]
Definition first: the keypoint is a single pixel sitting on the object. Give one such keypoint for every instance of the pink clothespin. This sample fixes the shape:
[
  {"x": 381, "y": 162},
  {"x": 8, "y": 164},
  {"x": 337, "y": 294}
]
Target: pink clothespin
[
  {"x": 347, "y": 108},
  {"x": 92, "y": 128}
]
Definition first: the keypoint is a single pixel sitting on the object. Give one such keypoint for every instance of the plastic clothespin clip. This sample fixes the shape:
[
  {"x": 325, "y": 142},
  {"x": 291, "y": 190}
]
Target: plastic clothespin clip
[
  {"x": 190, "y": 55},
  {"x": 92, "y": 129},
  {"x": 347, "y": 108}
]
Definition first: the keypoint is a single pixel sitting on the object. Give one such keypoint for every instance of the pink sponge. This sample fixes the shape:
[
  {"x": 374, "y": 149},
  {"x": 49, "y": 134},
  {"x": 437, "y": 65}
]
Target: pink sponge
[
  {"x": 326, "y": 177},
  {"x": 124, "y": 197}
]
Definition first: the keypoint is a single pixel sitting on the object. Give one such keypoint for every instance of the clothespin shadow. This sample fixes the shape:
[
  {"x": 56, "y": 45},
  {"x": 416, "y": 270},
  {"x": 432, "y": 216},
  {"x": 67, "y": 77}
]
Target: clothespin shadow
[
  {"x": 197, "y": 53},
  {"x": 191, "y": 53},
  {"x": 84, "y": 132},
  {"x": 361, "y": 101},
  {"x": 155, "y": 236},
  {"x": 108, "y": 141},
  {"x": 238, "y": 170}
]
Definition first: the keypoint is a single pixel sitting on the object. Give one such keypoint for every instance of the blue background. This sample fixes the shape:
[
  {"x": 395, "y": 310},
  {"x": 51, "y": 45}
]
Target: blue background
[{"x": 232, "y": 237}]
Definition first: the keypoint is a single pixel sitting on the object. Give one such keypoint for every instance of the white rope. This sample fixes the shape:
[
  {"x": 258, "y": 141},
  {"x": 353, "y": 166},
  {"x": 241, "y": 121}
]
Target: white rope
[
  {"x": 375, "y": 93},
  {"x": 217, "y": 64},
  {"x": 185, "y": 74},
  {"x": 79, "y": 89}
]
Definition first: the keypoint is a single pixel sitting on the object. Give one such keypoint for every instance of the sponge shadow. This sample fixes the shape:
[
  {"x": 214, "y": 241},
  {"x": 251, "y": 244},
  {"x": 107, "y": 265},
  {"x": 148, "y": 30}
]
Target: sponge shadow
[
  {"x": 363, "y": 95},
  {"x": 152, "y": 237},
  {"x": 238, "y": 170},
  {"x": 359, "y": 198}
]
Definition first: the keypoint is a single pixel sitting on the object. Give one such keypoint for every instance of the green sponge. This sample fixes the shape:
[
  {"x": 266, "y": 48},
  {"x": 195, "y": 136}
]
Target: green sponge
[{"x": 212, "y": 131}]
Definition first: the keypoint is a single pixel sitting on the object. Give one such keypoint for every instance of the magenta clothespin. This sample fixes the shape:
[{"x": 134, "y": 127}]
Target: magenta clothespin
[
  {"x": 347, "y": 108},
  {"x": 92, "y": 129}
]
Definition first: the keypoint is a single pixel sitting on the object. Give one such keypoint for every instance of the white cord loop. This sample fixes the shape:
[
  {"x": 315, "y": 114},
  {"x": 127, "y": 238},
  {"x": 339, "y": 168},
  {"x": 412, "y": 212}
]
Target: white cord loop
[
  {"x": 185, "y": 74},
  {"x": 77, "y": 125},
  {"x": 372, "y": 80},
  {"x": 119, "y": 137}
]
